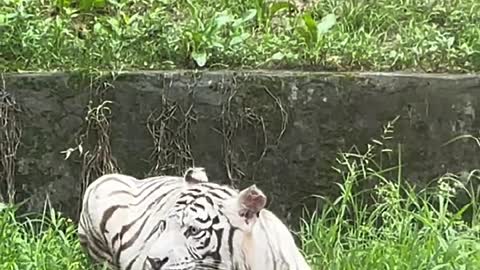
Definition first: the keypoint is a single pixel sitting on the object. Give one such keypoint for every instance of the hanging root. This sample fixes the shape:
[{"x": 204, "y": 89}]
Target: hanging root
[
  {"x": 93, "y": 138},
  {"x": 229, "y": 124},
  {"x": 10, "y": 134},
  {"x": 98, "y": 158},
  {"x": 253, "y": 113},
  {"x": 170, "y": 130}
]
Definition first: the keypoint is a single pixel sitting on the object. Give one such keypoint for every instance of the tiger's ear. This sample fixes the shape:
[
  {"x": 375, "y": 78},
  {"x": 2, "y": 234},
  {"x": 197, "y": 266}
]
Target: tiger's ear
[
  {"x": 251, "y": 201},
  {"x": 195, "y": 175}
]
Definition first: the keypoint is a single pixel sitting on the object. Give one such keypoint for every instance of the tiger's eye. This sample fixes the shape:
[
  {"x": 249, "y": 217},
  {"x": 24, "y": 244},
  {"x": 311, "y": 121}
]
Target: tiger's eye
[{"x": 193, "y": 230}]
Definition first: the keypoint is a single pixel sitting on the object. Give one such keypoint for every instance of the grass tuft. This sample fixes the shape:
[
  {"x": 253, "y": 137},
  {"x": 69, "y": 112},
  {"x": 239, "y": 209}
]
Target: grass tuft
[{"x": 47, "y": 242}]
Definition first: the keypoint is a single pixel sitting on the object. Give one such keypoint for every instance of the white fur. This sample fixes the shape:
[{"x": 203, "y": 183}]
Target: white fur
[{"x": 197, "y": 173}]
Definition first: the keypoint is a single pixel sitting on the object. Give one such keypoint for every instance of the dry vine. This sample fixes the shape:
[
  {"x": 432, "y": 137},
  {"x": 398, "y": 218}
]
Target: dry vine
[
  {"x": 10, "y": 134},
  {"x": 99, "y": 160},
  {"x": 93, "y": 139},
  {"x": 170, "y": 130},
  {"x": 235, "y": 119},
  {"x": 229, "y": 125}
]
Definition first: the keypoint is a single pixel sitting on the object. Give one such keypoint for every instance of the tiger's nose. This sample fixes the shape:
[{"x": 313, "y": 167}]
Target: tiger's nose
[{"x": 157, "y": 263}]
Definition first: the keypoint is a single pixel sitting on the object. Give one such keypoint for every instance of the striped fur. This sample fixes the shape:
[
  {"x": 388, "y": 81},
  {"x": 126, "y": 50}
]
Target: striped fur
[{"x": 176, "y": 223}]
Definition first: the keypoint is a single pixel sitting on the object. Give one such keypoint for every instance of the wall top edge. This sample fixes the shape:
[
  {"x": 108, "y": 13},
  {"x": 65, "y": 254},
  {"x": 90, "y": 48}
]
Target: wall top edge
[{"x": 259, "y": 72}]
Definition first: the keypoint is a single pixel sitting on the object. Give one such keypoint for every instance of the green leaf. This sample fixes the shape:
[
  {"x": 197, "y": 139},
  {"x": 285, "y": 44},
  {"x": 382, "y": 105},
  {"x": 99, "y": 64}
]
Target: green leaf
[
  {"x": 250, "y": 14},
  {"x": 223, "y": 19},
  {"x": 200, "y": 58},
  {"x": 276, "y": 7},
  {"x": 192, "y": 8},
  {"x": 3, "y": 19},
  {"x": 98, "y": 28},
  {"x": 85, "y": 4},
  {"x": 128, "y": 20},
  {"x": 277, "y": 56},
  {"x": 197, "y": 39},
  {"x": 309, "y": 23},
  {"x": 2, "y": 206},
  {"x": 217, "y": 44},
  {"x": 450, "y": 41},
  {"x": 327, "y": 22},
  {"x": 64, "y": 3},
  {"x": 115, "y": 24},
  {"x": 99, "y": 3},
  {"x": 303, "y": 32},
  {"x": 239, "y": 39}
]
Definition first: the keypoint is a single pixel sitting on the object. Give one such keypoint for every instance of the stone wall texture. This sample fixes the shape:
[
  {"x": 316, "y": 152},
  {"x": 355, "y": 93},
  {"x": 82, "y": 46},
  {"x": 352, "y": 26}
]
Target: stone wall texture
[{"x": 281, "y": 130}]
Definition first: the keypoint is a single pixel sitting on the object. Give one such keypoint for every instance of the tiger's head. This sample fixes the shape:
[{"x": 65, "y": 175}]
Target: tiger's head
[{"x": 206, "y": 227}]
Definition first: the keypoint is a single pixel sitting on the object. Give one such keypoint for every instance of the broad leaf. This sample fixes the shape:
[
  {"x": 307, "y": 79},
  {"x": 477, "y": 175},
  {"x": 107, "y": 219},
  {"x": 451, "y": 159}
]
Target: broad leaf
[
  {"x": 250, "y": 14},
  {"x": 277, "y": 56},
  {"x": 327, "y": 22},
  {"x": 200, "y": 58},
  {"x": 239, "y": 39},
  {"x": 276, "y": 7},
  {"x": 310, "y": 23},
  {"x": 223, "y": 19}
]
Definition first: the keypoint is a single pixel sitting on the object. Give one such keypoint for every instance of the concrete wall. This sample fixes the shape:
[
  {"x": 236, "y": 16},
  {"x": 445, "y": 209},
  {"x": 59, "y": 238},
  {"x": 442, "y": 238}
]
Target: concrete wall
[{"x": 280, "y": 130}]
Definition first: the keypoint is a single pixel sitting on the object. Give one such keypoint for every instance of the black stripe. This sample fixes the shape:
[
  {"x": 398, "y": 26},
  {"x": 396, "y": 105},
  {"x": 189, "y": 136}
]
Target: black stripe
[
  {"x": 146, "y": 211},
  {"x": 131, "y": 241},
  {"x": 130, "y": 265},
  {"x": 107, "y": 215},
  {"x": 213, "y": 186},
  {"x": 193, "y": 254},
  {"x": 195, "y": 190},
  {"x": 209, "y": 200},
  {"x": 216, "y": 196},
  {"x": 148, "y": 196},
  {"x": 199, "y": 205},
  {"x": 215, "y": 255},
  {"x": 231, "y": 232},
  {"x": 114, "y": 179},
  {"x": 208, "y": 218},
  {"x": 135, "y": 195},
  {"x": 160, "y": 224}
]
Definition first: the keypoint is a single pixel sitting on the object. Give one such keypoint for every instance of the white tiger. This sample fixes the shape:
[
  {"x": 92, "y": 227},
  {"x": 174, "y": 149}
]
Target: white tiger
[{"x": 181, "y": 223}]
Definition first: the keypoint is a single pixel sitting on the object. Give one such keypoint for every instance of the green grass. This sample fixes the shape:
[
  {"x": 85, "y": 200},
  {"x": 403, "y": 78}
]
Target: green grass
[
  {"x": 382, "y": 35},
  {"x": 394, "y": 225},
  {"x": 40, "y": 241},
  {"x": 45, "y": 243},
  {"x": 401, "y": 227}
]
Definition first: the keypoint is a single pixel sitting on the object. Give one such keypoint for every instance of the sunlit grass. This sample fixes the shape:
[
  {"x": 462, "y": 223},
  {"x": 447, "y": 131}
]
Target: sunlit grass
[
  {"x": 48, "y": 242},
  {"x": 381, "y": 35}
]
